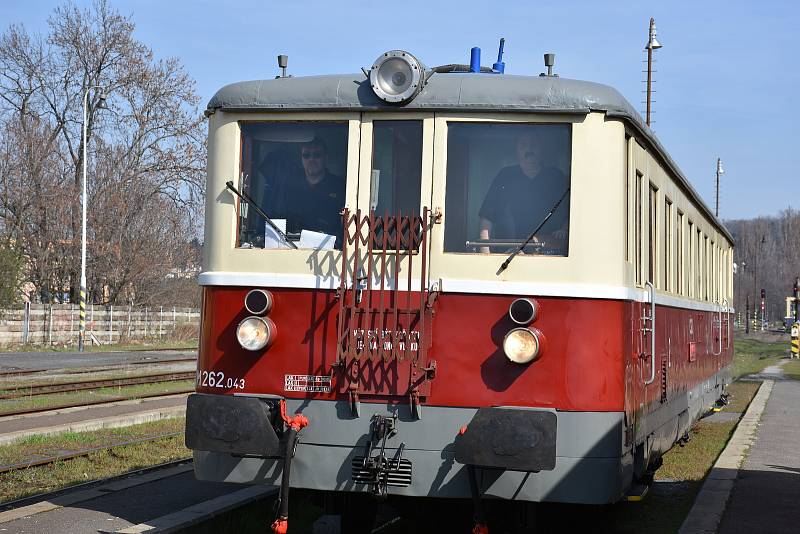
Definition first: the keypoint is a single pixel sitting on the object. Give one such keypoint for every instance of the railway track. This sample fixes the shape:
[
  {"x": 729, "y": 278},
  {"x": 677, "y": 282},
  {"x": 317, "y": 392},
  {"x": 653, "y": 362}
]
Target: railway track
[
  {"x": 107, "y": 400},
  {"x": 30, "y": 390},
  {"x": 115, "y": 367},
  {"x": 83, "y": 452}
]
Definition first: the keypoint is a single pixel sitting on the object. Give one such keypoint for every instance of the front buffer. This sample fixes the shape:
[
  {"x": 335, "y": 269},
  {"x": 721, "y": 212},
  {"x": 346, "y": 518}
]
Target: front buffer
[{"x": 527, "y": 454}]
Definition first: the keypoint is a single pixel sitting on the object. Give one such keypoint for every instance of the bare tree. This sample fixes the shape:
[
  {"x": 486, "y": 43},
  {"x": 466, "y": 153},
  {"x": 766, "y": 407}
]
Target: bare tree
[
  {"x": 146, "y": 154},
  {"x": 767, "y": 255}
]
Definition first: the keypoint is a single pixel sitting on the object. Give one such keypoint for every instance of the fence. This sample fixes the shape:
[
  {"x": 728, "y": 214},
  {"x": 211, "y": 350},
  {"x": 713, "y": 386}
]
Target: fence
[{"x": 58, "y": 324}]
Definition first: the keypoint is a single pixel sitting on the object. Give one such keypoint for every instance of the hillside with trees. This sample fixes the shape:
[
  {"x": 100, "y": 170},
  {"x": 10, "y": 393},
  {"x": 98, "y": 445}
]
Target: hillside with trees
[{"x": 767, "y": 255}]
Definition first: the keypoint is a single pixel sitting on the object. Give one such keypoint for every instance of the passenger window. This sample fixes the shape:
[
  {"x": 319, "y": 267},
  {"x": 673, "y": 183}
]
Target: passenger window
[
  {"x": 502, "y": 181},
  {"x": 651, "y": 234},
  {"x": 396, "y": 167},
  {"x": 295, "y": 172}
]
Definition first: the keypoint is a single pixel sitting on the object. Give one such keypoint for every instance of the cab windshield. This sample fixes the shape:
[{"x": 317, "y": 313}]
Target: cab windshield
[
  {"x": 295, "y": 172},
  {"x": 502, "y": 182}
]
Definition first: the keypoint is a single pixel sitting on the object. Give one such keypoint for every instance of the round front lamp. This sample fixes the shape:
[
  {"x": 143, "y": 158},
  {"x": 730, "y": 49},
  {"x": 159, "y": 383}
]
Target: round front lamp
[
  {"x": 396, "y": 76},
  {"x": 522, "y": 345},
  {"x": 523, "y": 311},
  {"x": 258, "y": 301},
  {"x": 255, "y": 333}
]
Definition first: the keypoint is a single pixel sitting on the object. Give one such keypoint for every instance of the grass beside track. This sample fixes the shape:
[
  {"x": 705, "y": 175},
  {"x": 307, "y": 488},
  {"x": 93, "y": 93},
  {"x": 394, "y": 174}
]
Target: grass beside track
[
  {"x": 692, "y": 462},
  {"x": 792, "y": 369},
  {"x": 111, "y": 393},
  {"x": 95, "y": 466},
  {"x": 752, "y": 355}
]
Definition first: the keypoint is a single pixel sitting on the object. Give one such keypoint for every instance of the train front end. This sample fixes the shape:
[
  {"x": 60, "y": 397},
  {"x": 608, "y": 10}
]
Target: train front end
[{"x": 399, "y": 297}]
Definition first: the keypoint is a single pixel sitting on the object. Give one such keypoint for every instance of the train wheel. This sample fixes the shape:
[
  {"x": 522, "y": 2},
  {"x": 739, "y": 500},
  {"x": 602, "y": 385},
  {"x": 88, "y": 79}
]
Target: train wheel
[
  {"x": 425, "y": 515},
  {"x": 512, "y": 517},
  {"x": 357, "y": 511}
]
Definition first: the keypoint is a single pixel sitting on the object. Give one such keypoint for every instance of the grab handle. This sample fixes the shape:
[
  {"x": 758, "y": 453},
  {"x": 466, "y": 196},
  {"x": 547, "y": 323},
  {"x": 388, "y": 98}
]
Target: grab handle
[
  {"x": 727, "y": 323},
  {"x": 652, "y": 291}
]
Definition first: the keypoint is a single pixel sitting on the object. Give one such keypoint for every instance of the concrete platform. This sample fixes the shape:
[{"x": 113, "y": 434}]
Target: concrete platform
[
  {"x": 87, "y": 418},
  {"x": 766, "y": 492},
  {"x": 755, "y": 484},
  {"x": 159, "y": 501}
]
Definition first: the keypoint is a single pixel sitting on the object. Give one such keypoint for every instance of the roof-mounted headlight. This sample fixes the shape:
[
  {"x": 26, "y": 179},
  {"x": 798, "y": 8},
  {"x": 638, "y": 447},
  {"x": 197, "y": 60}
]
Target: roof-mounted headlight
[{"x": 396, "y": 76}]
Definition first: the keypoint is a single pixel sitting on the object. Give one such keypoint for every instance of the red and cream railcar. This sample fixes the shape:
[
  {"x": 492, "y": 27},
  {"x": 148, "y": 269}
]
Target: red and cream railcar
[{"x": 358, "y": 271}]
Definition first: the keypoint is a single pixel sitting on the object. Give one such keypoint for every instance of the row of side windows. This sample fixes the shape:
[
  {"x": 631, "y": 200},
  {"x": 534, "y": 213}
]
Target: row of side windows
[{"x": 669, "y": 249}]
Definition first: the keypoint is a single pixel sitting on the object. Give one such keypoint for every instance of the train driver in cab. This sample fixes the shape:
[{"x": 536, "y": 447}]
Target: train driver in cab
[
  {"x": 522, "y": 195},
  {"x": 305, "y": 192}
]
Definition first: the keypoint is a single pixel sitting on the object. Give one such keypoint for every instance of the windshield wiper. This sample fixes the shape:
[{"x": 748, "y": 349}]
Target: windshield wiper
[
  {"x": 247, "y": 198},
  {"x": 530, "y": 237}
]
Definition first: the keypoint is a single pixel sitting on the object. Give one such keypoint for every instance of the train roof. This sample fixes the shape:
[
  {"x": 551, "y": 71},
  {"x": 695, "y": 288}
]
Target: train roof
[{"x": 448, "y": 92}]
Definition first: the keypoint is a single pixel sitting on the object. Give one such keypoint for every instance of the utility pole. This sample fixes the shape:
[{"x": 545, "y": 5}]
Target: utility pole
[
  {"x": 652, "y": 44},
  {"x": 755, "y": 278},
  {"x": 101, "y": 104},
  {"x": 747, "y": 315},
  {"x": 720, "y": 170},
  {"x": 795, "y": 346},
  {"x": 747, "y": 297}
]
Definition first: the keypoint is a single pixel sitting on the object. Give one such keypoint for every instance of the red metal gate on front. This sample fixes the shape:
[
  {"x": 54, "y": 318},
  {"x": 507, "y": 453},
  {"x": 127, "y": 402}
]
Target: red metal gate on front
[{"x": 385, "y": 312}]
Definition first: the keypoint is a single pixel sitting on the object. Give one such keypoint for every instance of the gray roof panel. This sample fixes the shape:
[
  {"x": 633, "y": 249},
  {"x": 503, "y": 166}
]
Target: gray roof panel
[
  {"x": 456, "y": 91},
  {"x": 448, "y": 92}
]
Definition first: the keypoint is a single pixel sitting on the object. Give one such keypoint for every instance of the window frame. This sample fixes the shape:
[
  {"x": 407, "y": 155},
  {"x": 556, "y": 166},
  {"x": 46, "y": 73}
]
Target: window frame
[
  {"x": 364, "y": 178},
  {"x": 666, "y": 246},
  {"x": 442, "y": 143},
  {"x": 679, "y": 255},
  {"x": 352, "y": 123}
]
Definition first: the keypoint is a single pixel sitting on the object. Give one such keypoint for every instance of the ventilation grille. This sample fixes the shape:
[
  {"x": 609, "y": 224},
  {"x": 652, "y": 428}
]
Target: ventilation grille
[{"x": 398, "y": 474}]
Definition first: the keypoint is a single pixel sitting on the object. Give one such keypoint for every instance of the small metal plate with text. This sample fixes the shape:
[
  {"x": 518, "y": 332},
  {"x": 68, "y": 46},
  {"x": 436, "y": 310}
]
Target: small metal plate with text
[{"x": 307, "y": 383}]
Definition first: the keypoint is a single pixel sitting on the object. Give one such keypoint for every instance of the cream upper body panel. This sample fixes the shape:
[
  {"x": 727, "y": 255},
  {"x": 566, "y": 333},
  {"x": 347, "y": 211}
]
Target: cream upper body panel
[
  {"x": 596, "y": 209},
  {"x": 258, "y": 266},
  {"x": 600, "y": 262}
]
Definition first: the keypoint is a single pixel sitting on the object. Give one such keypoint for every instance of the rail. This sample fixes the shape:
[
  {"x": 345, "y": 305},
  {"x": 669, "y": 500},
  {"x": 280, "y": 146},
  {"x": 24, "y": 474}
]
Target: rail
[
  {"x": 82, "y": 452},
  {"x": 31, "y": 390},
  {"x": 108, "y": 400},
  {"x": 79, "y": 371}
]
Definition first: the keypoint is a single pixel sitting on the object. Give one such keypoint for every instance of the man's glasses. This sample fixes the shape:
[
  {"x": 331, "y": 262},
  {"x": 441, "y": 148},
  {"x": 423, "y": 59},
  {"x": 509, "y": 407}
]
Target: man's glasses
[{"x": 312, "y": 154}]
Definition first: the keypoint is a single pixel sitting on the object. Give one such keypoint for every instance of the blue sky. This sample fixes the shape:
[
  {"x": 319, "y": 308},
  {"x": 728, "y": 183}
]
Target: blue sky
[{"x": 725, "y": 83}]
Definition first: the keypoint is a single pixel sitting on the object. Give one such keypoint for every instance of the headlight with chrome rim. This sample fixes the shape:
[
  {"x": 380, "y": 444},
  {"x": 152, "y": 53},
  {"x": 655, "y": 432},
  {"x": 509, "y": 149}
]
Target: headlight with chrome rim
[
  {"x": 396, "y": 76},
  {"x": 523, "y": 345},
  {"x": 256, "y": 333}
]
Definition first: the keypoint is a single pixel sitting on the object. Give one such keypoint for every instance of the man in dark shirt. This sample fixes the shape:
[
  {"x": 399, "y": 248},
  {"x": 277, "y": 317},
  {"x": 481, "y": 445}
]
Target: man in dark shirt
[
  {"x": 521, "y": 196},
  {"x": 316, "y": 199}
]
